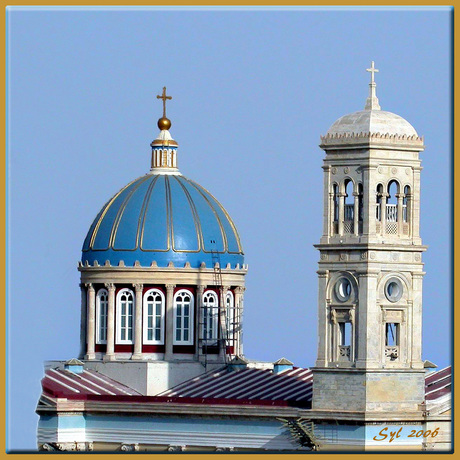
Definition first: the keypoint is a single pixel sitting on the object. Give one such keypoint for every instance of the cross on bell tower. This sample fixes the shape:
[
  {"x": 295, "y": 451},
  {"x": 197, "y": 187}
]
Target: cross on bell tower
[
  {"x": 372, "y": 70},
  {"x": 372, "y": 102}
]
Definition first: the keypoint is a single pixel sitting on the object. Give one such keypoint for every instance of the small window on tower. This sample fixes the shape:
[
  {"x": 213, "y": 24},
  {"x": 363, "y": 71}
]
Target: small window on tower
[
  {"x": 392, "y": 334},
  {"x": 345, "y": 334},
  {"x": 378, "y": 207},
  {"x": 336, "y": 203},
  {"x": 360, "y": 203},
  {"x": 342, "y": 289}
]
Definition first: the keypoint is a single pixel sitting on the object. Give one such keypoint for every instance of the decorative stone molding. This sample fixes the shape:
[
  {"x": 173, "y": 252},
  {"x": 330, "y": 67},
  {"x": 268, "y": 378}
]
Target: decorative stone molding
[
  {"x": 225, "y": 449},
  {"x": 129, "y": 447},
  {"x": 110, "y": 286},
  {"x": 89, "y": 286},
  {"x": 176, "y": 448},
  {"x": 346, "y": 170},
  {"x": 367, "y": 135},
  {"x": 138, "y": 286},
  {"x": 334, "y": 170},
  {"x": 66, "y": 446},
  {"x": 333, "y": 316}
]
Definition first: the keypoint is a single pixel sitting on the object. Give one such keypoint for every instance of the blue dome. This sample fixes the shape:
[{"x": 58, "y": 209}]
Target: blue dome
[{"x": 163, "y": 218}]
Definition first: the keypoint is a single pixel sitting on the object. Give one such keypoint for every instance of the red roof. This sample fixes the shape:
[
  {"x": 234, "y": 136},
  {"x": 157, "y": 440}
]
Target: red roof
[
  {"x": 438, "y": 384},
  {"x": 62, "y": 383},
  {"x": 258, "y": 384}
]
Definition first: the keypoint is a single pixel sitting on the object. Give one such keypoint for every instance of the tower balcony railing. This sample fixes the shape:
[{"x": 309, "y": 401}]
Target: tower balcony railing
[
  {"x": 392, "y": 213},
  {"x": 349, "y": 212}
]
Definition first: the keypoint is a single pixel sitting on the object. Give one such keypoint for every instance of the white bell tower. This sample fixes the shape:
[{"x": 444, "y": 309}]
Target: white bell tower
[{"x": 370, "y": 268}]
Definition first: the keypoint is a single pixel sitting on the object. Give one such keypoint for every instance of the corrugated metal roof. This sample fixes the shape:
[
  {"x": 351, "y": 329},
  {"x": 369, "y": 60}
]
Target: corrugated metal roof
[
  {"x": 438, "y": 384},
  {"x": 258, "y": 384},
  {"x": 246, "y": 386},
  {"x": 62, "y": 383}
]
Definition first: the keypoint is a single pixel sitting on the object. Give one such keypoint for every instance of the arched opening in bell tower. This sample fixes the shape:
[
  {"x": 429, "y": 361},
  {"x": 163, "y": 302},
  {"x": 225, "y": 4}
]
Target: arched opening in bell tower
[{"x": 348, "y": 207}]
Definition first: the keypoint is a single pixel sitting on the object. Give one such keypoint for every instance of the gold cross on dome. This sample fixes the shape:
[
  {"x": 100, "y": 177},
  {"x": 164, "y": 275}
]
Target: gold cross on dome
[
  {"x": 164, "y": 97},
  {"x": 372, "y": 70}
]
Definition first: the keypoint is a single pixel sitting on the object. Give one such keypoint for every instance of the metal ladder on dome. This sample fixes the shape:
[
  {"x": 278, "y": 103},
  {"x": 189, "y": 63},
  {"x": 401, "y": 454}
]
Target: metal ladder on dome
[{"x": 223, "y": 341}]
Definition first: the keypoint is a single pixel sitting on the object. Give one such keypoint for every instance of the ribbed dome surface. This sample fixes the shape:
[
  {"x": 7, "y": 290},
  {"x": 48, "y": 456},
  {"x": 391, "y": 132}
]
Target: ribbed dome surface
[
  {"x": 163, "y": 218},
  {"x": 372, "y": 121}
]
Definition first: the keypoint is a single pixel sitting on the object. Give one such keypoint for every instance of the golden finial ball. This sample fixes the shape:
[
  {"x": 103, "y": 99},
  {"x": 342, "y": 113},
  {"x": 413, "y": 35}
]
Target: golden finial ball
[{"x": 164, "y": 123}]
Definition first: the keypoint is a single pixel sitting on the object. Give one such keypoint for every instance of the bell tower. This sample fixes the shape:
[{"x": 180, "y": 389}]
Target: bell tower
[{"x": 370, "y": 268}]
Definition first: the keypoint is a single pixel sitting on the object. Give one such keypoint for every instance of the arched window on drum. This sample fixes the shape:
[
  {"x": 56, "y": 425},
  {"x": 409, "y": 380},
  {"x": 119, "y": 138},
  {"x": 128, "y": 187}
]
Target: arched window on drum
[
  {"x": 230, "y": 316},
  {"x": 210, "y": 322},
  {"x": 183, "y": 317},
  {"x": 102, "y": 303},
  {"x": 125, "y": 309},
  {"x": 154, "y": 317}
]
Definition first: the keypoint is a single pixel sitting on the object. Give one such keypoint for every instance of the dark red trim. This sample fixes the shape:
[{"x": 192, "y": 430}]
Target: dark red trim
[
  {"x": 190, "y": 349},
  {"x": 121, "y": 348},
  {"x": 211, "y": 349},
  {"x": 178, "y": 400},
  {"x": 153, "y": 348},
  {"x": 230, "y": 350},
  {"x": 100, "y": 347},
  {"x": 160, "y": 288}
]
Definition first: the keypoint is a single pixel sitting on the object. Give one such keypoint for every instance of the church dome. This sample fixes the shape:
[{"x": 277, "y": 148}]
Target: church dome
[
  {"x": 372, "y": 120},
  {"x": 163, "y": 218}
]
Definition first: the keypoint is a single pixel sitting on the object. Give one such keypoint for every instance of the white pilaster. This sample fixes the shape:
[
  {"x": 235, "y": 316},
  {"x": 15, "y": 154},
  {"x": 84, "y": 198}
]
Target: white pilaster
[
  {"x": 110, "y": 352},
  {"x": 169, "y": 335},
  {"x": 91, "y": 328},
  {"x": 138, "y": 322},
  {"x": 83, "y": 321}
]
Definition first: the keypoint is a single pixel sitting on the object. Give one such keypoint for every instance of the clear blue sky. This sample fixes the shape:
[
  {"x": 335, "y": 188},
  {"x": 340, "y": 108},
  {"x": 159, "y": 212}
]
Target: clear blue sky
[{"x": 252, "y": 93}]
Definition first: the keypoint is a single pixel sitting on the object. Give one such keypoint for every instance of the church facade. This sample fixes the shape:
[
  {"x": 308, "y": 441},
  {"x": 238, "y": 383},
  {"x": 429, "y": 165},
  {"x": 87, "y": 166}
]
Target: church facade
[{"x": 161, "y": 364}]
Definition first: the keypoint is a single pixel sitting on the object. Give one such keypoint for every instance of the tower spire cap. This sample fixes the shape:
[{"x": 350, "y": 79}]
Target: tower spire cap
[
  {"x": 164, "y": 123},
  {"x": 164, "y": 147},
  {"x": 372, "y": 102}
]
